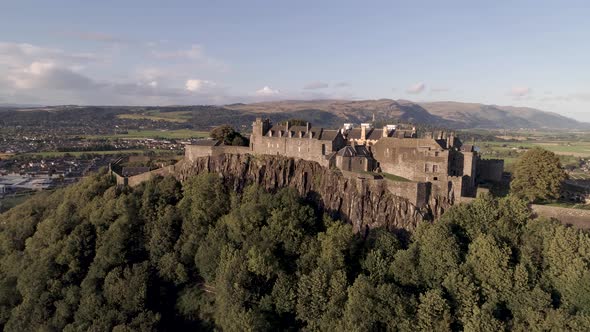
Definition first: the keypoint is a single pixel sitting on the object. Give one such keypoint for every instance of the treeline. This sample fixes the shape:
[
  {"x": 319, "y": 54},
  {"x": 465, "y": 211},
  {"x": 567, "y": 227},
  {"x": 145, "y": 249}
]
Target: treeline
[{"x": 199, "y": 256}]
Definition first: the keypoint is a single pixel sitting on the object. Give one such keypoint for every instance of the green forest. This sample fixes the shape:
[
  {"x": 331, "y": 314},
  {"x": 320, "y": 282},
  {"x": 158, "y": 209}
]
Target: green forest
[{"x": 168, "y": 256}]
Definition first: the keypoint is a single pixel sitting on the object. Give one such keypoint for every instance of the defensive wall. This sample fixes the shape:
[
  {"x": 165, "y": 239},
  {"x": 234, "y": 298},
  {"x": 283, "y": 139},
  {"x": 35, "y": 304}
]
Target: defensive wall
[
  {"x": 575, "y": 217},
  {"x": 417, "y": 193},
  {"x": 192, "y": 152},
  {"x": 135, "y": 180}
]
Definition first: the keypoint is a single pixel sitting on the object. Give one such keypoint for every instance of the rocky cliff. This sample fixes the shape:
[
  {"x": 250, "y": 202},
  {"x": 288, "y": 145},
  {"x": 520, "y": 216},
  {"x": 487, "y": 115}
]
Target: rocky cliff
[{"x": 363, "y": 202}]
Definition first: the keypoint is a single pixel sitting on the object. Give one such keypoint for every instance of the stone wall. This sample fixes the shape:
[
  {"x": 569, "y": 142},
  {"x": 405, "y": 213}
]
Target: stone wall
[
  {"x": 192, "y": 152},
  {"x": 295, "y": 147},
  {"x": 575, "y": 217},
  {"x": 415, "y": 159},
  {"x": 416, "y": 192}
]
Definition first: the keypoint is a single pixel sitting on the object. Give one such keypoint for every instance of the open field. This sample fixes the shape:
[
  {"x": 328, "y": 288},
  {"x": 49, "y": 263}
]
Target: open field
[
  {"x": 570, "y": 147},
  {"x": 180, "y": 116},
  {"x": 166, "y": 134},
  {"x": 566, "y": 148}
]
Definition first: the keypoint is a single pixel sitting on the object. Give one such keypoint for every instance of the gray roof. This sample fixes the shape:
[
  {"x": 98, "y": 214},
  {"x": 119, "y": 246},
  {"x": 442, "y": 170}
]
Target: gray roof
[
  {"x": 356, "y": 151},
  {"x": 328, "y": 135}
]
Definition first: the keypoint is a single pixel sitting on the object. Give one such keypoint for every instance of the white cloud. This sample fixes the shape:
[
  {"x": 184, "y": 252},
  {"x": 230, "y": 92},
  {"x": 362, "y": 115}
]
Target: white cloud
[
  {"x": 48, "y": 75},
  {"x": 267, "y": 91},
  {"x": 416, "y": 88},
  {"x": 21, "y": 54},
  {"x": 520, "y": 91},
  {"x": 316, "y": 85},
  {"x": 194, "y": 85}
]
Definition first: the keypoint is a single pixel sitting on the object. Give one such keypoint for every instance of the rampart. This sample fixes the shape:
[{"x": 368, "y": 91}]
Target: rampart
[
  {"x": 575, "y": 217},
  {"x": 192, "y": 152}
]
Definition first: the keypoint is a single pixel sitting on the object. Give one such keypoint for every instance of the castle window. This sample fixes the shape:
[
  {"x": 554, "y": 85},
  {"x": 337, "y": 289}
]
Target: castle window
[
  {"x": 323, "y": 149},
  {"x": 436, "y": 154},
  {"x": 426, "y": 168},
  {"x": 435, "y": 168},
  {"x": 435, "y": 178}
]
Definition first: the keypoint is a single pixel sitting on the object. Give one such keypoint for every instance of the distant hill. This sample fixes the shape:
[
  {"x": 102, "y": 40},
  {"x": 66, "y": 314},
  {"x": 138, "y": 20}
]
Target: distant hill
[
  {"x": 443, "y": 114},
  {"x": 474, "y": 115},
  {"x": 325, "y": 113}
]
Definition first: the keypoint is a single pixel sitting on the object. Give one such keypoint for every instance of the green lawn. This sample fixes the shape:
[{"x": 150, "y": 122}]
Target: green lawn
[{"x": 164, "y": 134}]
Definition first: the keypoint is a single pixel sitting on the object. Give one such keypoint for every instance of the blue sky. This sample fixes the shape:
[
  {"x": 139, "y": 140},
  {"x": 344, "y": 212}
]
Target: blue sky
[{"x": 524, "y": 53}]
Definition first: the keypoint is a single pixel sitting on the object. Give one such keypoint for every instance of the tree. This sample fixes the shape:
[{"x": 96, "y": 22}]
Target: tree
[
  {"x": 228, "y": 135},
  {"x": 538, "y": 176}
]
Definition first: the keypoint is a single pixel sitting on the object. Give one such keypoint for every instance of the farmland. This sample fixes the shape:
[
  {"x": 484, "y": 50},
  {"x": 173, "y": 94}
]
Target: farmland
[
  {"x": 570, "y": 147},
  {"x": 157, "y": 115}
]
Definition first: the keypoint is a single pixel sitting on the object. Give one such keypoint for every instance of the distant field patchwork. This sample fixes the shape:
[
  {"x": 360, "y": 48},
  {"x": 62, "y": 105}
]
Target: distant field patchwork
[{"x": 155, "y": 115}]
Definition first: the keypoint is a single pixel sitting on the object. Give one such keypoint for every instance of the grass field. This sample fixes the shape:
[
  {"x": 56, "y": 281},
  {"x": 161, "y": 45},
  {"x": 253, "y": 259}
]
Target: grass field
[
  {"x": 165, "y": 134},
  {"x": 155, "y": 115},
  {"x": 569, "y": 151}
]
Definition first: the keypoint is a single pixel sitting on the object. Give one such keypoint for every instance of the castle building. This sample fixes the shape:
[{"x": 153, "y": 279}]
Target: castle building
[
  {"x": 436, "y": 164},
  {"x": 303, "y": 142}
]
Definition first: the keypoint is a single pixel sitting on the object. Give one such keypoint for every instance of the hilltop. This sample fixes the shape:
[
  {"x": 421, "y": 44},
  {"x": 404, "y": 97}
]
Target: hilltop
[
  {"x": 322, "y": 113},
  {"x": 443, "y": 114}
]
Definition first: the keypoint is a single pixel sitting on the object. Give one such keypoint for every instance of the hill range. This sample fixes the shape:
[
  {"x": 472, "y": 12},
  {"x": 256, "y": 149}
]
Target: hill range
[
  {"x": 325, "y": 113},
  {"x": 448, "y": 114}
]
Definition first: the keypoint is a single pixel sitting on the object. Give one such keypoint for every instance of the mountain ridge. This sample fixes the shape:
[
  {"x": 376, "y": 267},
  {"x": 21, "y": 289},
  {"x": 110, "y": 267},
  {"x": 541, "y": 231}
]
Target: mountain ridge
[{"x": 450, "y": 114}]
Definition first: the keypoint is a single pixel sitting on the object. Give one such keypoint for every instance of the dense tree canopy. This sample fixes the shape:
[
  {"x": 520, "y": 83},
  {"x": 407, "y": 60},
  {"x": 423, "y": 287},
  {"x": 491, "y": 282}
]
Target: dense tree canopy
[
  {"x": 537, "y": 176},
  {"x": 228, "y": 135},
  {"x": 198, "y": 256}
]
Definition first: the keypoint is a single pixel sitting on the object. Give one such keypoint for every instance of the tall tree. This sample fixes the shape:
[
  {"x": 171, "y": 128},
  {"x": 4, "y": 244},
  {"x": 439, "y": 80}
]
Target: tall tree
[{"x": 538, "y": 176}]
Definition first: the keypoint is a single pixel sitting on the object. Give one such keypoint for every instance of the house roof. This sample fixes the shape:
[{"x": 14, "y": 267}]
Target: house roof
[
  {"x": 328, "y": 135},
  {"x": 356, "y": 151}
]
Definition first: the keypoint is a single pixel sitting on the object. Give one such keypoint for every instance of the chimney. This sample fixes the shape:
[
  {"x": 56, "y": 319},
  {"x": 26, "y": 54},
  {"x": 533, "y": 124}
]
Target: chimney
[
  {"x": 308, "y": 126},
  {"x": 287, "y": 133},
  {"x": 363, "y": 129},
  {"x": 385, "y": 132}
]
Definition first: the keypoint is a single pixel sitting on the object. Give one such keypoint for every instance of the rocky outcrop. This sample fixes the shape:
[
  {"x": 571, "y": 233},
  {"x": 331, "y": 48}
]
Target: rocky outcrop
[{"x": 365, "y": 203}]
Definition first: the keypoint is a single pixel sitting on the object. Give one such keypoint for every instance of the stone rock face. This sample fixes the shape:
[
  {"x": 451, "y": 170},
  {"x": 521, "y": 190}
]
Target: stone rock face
[{"x": 364, "y": 203}]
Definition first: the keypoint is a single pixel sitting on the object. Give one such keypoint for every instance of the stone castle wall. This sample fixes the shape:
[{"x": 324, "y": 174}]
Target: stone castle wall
[
  {"x": 575, "y": 217},
  {"x": 192, "y": 152}
]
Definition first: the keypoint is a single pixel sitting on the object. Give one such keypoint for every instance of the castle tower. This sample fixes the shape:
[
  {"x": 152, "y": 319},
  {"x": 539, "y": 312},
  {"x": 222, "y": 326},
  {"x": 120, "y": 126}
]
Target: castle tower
[{"x": 260, "y": 127}]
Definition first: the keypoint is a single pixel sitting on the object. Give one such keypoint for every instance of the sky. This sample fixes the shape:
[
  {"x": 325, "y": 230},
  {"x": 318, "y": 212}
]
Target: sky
[{"x": 128, "y": 52}]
